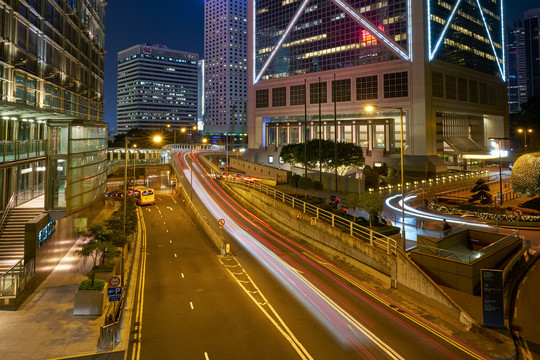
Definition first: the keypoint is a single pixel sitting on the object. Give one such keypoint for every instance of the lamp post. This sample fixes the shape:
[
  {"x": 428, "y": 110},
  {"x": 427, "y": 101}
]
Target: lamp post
[
  {"x": 525, "y": 135},
  {"x": 126, "y": 141},
  {"x": 498, "y": 139},
  {"x": 190, "y": 156},
  {"x": 403, "y": 237}
]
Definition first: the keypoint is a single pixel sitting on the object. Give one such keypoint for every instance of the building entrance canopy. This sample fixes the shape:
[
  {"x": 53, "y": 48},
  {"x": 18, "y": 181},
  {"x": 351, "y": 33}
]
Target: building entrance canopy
[
  {"x": 23, "y": 112},
  {"x": 463, "y": 145}
]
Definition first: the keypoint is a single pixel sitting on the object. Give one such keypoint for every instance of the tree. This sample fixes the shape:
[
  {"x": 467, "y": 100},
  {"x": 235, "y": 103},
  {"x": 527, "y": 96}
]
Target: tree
[
  {"x": 525, "y": 175},
  {"x": 481, "y": 192},
  {"x": 98, "y": 247},
  {"x": 351, "y": 201},
  {"x": 115, "y": 223},
  {"x": 305, "y": 183},
  {"x": 372, "y": 203},
  {"x": 348, "y": 155}
]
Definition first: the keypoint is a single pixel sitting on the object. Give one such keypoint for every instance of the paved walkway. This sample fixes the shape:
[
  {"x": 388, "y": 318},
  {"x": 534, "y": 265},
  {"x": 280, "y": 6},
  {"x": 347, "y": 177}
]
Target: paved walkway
[{"x": 44, "y": 327}]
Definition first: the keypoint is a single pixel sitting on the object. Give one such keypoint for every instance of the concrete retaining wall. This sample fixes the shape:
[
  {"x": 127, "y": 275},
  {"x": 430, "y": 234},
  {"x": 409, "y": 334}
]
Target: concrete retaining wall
[{"x": 397, "y": 271}]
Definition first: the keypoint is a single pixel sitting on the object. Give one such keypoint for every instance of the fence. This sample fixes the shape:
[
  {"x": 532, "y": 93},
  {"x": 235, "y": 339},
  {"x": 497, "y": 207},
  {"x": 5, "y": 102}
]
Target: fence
[{"x": 374, "y": 238}]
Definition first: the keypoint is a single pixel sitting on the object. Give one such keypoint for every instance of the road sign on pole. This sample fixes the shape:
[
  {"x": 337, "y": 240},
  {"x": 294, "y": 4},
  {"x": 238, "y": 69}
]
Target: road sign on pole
[
  {"x": 221, "y": 222},
  {"x": 114, "y": 281}
]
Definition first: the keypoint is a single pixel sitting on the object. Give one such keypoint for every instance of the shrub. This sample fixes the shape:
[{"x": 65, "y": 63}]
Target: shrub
[
  {"x": 326, "y": 206},
  {"x": 388, "y": 230},
  {"x": 314, "y": 201},
  {"x": 338, "y": 212},
  {"x": 87, "y": 285},
  {"x": 317, "y": 185},
  {"x": 293, "y": 181}
]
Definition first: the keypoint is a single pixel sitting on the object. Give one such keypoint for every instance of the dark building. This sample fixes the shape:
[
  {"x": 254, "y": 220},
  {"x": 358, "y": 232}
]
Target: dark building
[
  {"x": 532, "y": 46},
  {"x": 517, "y": 67}
]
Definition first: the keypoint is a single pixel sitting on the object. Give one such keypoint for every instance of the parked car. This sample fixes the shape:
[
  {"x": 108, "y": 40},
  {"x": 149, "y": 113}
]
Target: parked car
[{"x": 115, "y": 194}]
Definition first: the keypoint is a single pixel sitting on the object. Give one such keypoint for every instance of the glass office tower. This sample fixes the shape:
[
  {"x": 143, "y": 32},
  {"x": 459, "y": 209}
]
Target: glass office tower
[
  {"x": 53, "y": 136},
  {"x": 315, "y": 66}
]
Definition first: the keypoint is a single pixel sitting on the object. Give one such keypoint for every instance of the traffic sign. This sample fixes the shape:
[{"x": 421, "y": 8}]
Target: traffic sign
[
  {"x": 313, "y": 220},
  {"x": 517, "y": 213},
  {"x": 498, "y": 209},
  {"x": 115, "y": 298},
  {"x": 114, "y": 291},
  {"x": 114, "y": 281},
  {"x": 221, "y": 222}
]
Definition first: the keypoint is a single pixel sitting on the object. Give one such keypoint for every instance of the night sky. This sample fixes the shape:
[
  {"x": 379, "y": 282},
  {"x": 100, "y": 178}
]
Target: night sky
[{"x": 179, "y": 24}]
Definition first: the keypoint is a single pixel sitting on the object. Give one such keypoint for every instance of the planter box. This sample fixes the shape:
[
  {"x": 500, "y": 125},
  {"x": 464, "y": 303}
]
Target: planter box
[{"x": 89, "y": 302}]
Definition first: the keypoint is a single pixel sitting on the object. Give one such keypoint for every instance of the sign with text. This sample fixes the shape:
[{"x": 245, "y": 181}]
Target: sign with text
[{"x": 492, "y": 298}]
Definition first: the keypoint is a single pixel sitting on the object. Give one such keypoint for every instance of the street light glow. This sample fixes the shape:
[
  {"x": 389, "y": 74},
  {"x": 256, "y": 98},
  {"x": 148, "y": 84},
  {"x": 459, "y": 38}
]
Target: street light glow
[{"x": 157, "y": 138}]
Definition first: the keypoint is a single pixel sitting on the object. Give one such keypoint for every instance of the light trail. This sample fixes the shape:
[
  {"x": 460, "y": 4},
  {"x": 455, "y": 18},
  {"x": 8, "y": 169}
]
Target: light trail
[
  {"x": 425, "y": 215},
  {"x": 341, "y": 324}
]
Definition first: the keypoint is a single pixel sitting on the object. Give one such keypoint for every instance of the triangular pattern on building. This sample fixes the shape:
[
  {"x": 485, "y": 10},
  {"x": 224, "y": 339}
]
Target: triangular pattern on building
[
  {"x": 350, "y": 11},
  {"x": 439, "y": 37}
]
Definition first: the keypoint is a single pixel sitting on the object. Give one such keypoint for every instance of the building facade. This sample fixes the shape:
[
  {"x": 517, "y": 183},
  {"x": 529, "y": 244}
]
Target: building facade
[
  {"x": 532, "y": 46},
  {"x": 226, "y": 64},
  {"x": 54, "y": 140},
  {"x": 157, "y": 88},
  {"x": 439, "y": 67},
  {"x": 517, "y": 67}
]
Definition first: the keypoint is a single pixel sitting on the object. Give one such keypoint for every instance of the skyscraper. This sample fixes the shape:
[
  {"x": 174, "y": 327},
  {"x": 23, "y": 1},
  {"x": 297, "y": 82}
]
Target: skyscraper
[
  {"x": 532, "y": 47},
  {"x": 517, "y": 67},
  {"x": 51, "y": 67},
  {"x": 157, "y": 87},
  {"x": 225, "y": 53},
  {"x": 439, "y": 64}
]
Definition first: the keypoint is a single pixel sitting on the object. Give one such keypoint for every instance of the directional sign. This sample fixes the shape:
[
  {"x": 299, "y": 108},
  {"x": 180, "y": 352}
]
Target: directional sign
[
  {"x": 221, "y": 222},
  {"x": 517, "y": 213},
  {"x": 114, "y": 281},
  {"x": 115, "y": 298},
  {"x": 114, "y": 291}
]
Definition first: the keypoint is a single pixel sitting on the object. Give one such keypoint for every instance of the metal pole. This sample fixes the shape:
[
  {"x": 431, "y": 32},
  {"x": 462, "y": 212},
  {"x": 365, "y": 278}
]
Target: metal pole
[
  {"x": 500, "y": 175},
  {"x": 320, "y": 131},
  {"x": 305, "y": 131},
  {"x": 125, "y": 205},
  {"x": 335, "y": 131},
  {"x": 191, "y": 171},
  {"x": 403, "y": 237}
]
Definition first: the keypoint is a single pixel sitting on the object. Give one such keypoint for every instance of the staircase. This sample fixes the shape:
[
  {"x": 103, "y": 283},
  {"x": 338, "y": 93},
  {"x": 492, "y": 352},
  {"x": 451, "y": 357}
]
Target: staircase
[{"x": 12, "y": 236}]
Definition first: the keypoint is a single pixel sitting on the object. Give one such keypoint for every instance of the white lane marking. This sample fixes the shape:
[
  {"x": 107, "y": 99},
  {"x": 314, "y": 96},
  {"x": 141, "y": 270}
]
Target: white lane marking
[
  {"x": 175, "y": 255},
  {"x": 525, "y": 279},
  {"x": 170, "y": 208},
  {"x": 517, "y": 296},
  {"x": 206, "y": 356},
  {"x": 182, "y": 275},
  {"x": 191, "y": 304},
  {"x": 164, "y": 223},
  {"x": 170, "y": 241},
  {"x": 167, "y": 230}
]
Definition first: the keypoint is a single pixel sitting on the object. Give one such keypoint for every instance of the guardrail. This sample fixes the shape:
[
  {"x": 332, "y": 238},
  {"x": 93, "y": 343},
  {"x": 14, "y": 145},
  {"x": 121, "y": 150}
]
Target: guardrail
[
  {"x": 13, "y": 281},
  {"x": 113, "y": 165},
  {"x": 368, "y": 235}
]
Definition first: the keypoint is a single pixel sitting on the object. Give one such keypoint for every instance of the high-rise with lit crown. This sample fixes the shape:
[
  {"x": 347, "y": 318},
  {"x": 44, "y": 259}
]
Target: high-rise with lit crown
[
  {"x": 226, "y": 54},
  {"x": 440, "y": 64},
  {"x": 157, "y": 86}
]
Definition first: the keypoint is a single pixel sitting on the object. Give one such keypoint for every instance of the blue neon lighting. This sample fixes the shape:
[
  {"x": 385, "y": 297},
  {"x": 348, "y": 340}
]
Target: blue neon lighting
[
  {"x": 352, "y": 12},
  {"x": 446, "y": 26},
  {"x": 375, "y": 31},
  {"x": 433, "y": 52},
  {"x": 280, "y": 42}
]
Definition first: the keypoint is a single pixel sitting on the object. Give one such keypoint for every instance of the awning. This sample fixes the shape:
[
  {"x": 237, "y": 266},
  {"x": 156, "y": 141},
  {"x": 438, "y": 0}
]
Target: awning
[
  {"x": 20, "y": 111},
  {"x": 463, "y": 145}
]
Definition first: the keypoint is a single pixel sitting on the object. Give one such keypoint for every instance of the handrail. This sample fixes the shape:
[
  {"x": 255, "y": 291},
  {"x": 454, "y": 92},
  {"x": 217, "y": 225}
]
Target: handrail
[
  {"x": 374, "y": 238},
  {"x": 9, "y": 208}
]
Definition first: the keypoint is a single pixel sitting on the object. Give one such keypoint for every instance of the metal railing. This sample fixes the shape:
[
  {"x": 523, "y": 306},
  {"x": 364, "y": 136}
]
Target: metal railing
[
  {"x": 365, "y": 234},
  {"x": 13, "y": 281},
  {"x": 7, "y": 211},
  {"x": 20, "y": 150}
]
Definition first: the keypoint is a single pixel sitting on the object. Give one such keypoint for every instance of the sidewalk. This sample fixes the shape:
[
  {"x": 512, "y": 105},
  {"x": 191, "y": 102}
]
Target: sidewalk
[{"x": 44, "y": 327}]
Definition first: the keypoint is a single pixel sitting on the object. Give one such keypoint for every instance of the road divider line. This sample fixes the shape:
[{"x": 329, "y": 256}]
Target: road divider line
[
  {"x": 272, "y": 314},
  {"x": 136, "y": 353},
  {"x": 191, "y": 305}
]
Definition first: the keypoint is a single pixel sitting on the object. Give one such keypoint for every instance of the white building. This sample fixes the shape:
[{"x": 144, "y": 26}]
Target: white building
[
  {"x": 442, "y": 65},
  {"x": 225, "y": 53},
  {"x": 157, "y": 87}
]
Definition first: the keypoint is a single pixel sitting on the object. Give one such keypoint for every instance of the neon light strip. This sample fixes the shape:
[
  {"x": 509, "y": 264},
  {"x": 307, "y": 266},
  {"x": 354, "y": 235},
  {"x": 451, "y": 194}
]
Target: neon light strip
[
  {"x": 373, "y": 30},
  {"x": 448, "y": 21},
  {"x": 280, "y": 42},
  {"x": 254, "y": 49},
  {"x": 490, "y": 40},
  {"x": 409, "y": 29},
  {"x": 429, "y": 27},
  {"x": 503, "y": 46}
]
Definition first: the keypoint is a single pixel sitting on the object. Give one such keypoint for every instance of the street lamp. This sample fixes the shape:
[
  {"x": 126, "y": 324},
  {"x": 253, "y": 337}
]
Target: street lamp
[
  {"x": 155, "y": 139},
  {"x": 190, "y": 152},
  {"x": 403, "y": 237},
  {"x": 525, "y": 134},
  {"x": 500, "y": 165}
]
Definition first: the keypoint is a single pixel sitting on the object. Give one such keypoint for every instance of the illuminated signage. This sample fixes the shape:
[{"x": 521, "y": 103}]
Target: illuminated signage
[
  {"x": 45, "y": 233},
  {"x": 366, "y": 35}
]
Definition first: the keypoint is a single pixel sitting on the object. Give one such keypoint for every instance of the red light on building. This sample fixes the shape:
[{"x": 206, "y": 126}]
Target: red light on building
[{"x": 366, "y": 35}]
